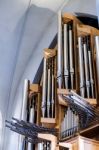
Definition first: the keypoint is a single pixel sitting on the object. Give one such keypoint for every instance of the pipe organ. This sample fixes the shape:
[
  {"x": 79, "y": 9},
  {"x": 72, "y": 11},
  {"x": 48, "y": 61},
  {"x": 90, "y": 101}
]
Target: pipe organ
[
  {"x": 49, "y": 84},
  {"x": 57, "y": 113}
]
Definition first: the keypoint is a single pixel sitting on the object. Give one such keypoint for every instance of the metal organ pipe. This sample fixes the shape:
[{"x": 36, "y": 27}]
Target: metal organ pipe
[
  {"x": 25, "y": 99},
  {"x": 59, "y": 50},
  {"x": 86, "y": 69},
  {"x": 48, "y": 94},
  {"x": 40, "y": 146},
  {"x": 71, "y": 55},
  {"x": 81, "y": 67},
  {"x": 31, "y": 120},
  {"x": 66, "y": 73},
  {"x": 24, "y": 111},
  {"x": 44, "y": 89},
  {"x": 97, "y": 59},
  {"x": 91, "y": 74},
  {"x": 53, "y": 100}
]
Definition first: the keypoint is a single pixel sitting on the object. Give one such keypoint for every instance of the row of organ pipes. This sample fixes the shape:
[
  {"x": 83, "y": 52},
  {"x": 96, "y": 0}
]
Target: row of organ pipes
[
  {"x": 85, "y": 66},
  {"x": 48, "y": 92},
  {"x": 69, "y": 124},
  {"x": 65, "y": 75},
  {"x": 65, "y": 62},
  {"x": 66, "y": 70}
]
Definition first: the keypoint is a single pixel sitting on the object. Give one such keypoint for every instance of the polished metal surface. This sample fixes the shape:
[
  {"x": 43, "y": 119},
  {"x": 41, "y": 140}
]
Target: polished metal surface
[
  {"x": 91, "y": 74},
  {"x": 66, "y": 65},
  {"x": 53, "y": 97},
  {"x": 81, "y": 67},
  {"x": 31, "y": 119},
  {"x": 49, "y": 94},
  {"x": 44, "y": 88},
  {"x": 86, "y": 63},
  {"x": 59, "y": 63},
  {"x": 71, "y": 56},
  {"x": 25, "y": 99},
  {"x": 24, "y": 110},
  {"x": 97, "y": 59}
]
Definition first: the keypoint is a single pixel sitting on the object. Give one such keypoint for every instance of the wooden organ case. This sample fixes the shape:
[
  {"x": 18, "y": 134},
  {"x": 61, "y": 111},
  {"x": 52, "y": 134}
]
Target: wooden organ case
[{"x": 68, "y": 98}]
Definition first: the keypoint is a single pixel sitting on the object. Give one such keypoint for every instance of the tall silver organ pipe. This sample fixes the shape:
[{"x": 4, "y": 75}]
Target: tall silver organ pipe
[
  {"x": 44, "y": 88},
  {"x": 59, "y": 63},
  {"x": 81, "y": 67},
  {"x": 31, "y": 120},
  {"x": 46, "y": 146},
  {"x": 66, "y": 72},
  {"x": 71, "y": 55},
  {"x": 97, "y": 59},
  {"x": 53, "y": 98},
  {"x": 48, "y": 93},
  {"x": 24, "y": 110},
  {"x": 25, "y": 99},
  {"x": 32, "y": 114},
  {"x": 91, "y": 74},
  {"x": 65, "y": 121},
  {"x": 40, "y": 146},
  {"x": 86, "y": 69}
]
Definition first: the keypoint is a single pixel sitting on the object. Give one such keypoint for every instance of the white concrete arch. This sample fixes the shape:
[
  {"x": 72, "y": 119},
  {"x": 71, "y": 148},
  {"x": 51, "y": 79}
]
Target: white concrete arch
[{"x": 23, "y": 36}]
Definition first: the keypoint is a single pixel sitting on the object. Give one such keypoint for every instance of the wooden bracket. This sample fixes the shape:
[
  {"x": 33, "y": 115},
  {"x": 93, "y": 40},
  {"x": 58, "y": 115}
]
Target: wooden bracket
[
  {"x": 66, "y": 145},
  {"x": 48, "y": 53},
  {"x": 67, "y": 17},
  {"x": 35, "y": 88},
  {"x": 48, "y": 122}
]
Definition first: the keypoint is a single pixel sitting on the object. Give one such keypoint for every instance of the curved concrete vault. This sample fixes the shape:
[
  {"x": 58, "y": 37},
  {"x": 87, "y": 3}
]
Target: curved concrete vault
[{"x": 26, "y": 28}]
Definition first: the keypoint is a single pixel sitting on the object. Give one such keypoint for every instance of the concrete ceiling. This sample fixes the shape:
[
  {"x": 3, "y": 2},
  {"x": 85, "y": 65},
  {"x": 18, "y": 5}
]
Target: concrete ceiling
[{"x": 26, "y": 28}]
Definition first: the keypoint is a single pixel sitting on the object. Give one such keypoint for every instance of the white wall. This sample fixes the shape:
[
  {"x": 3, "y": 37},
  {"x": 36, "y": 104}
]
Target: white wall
[
  {"x": 11, "y": 23},
  {"x": 82, "y": 6},
  {"x": 25, "y": 30}
]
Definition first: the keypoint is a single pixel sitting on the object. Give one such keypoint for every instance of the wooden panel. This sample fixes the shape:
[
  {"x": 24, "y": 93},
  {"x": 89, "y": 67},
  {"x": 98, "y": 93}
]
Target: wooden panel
[
  {"x": 91, "y": 101},
  {"x": 88, "y": 144},
  {"x": 64, "y": 91},
  {"x": 82, "y": 143},
  {"x": 91, "y": 131},
  {"x": 61, "y": 101},
  {"x": 35, "y": 88},
  {"x": 68, "y": 17},
  {"x": 83, "y": 30},
  {"x": 65, "y": 144},
  {"x": 48, "y": 53},
  {"x": 48, "y": 120},
  {"x": 74, "y": 146}
]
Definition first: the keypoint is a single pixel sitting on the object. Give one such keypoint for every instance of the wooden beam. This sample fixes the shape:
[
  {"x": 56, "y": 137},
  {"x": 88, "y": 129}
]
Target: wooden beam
[{"x": 35, "y": 88}]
